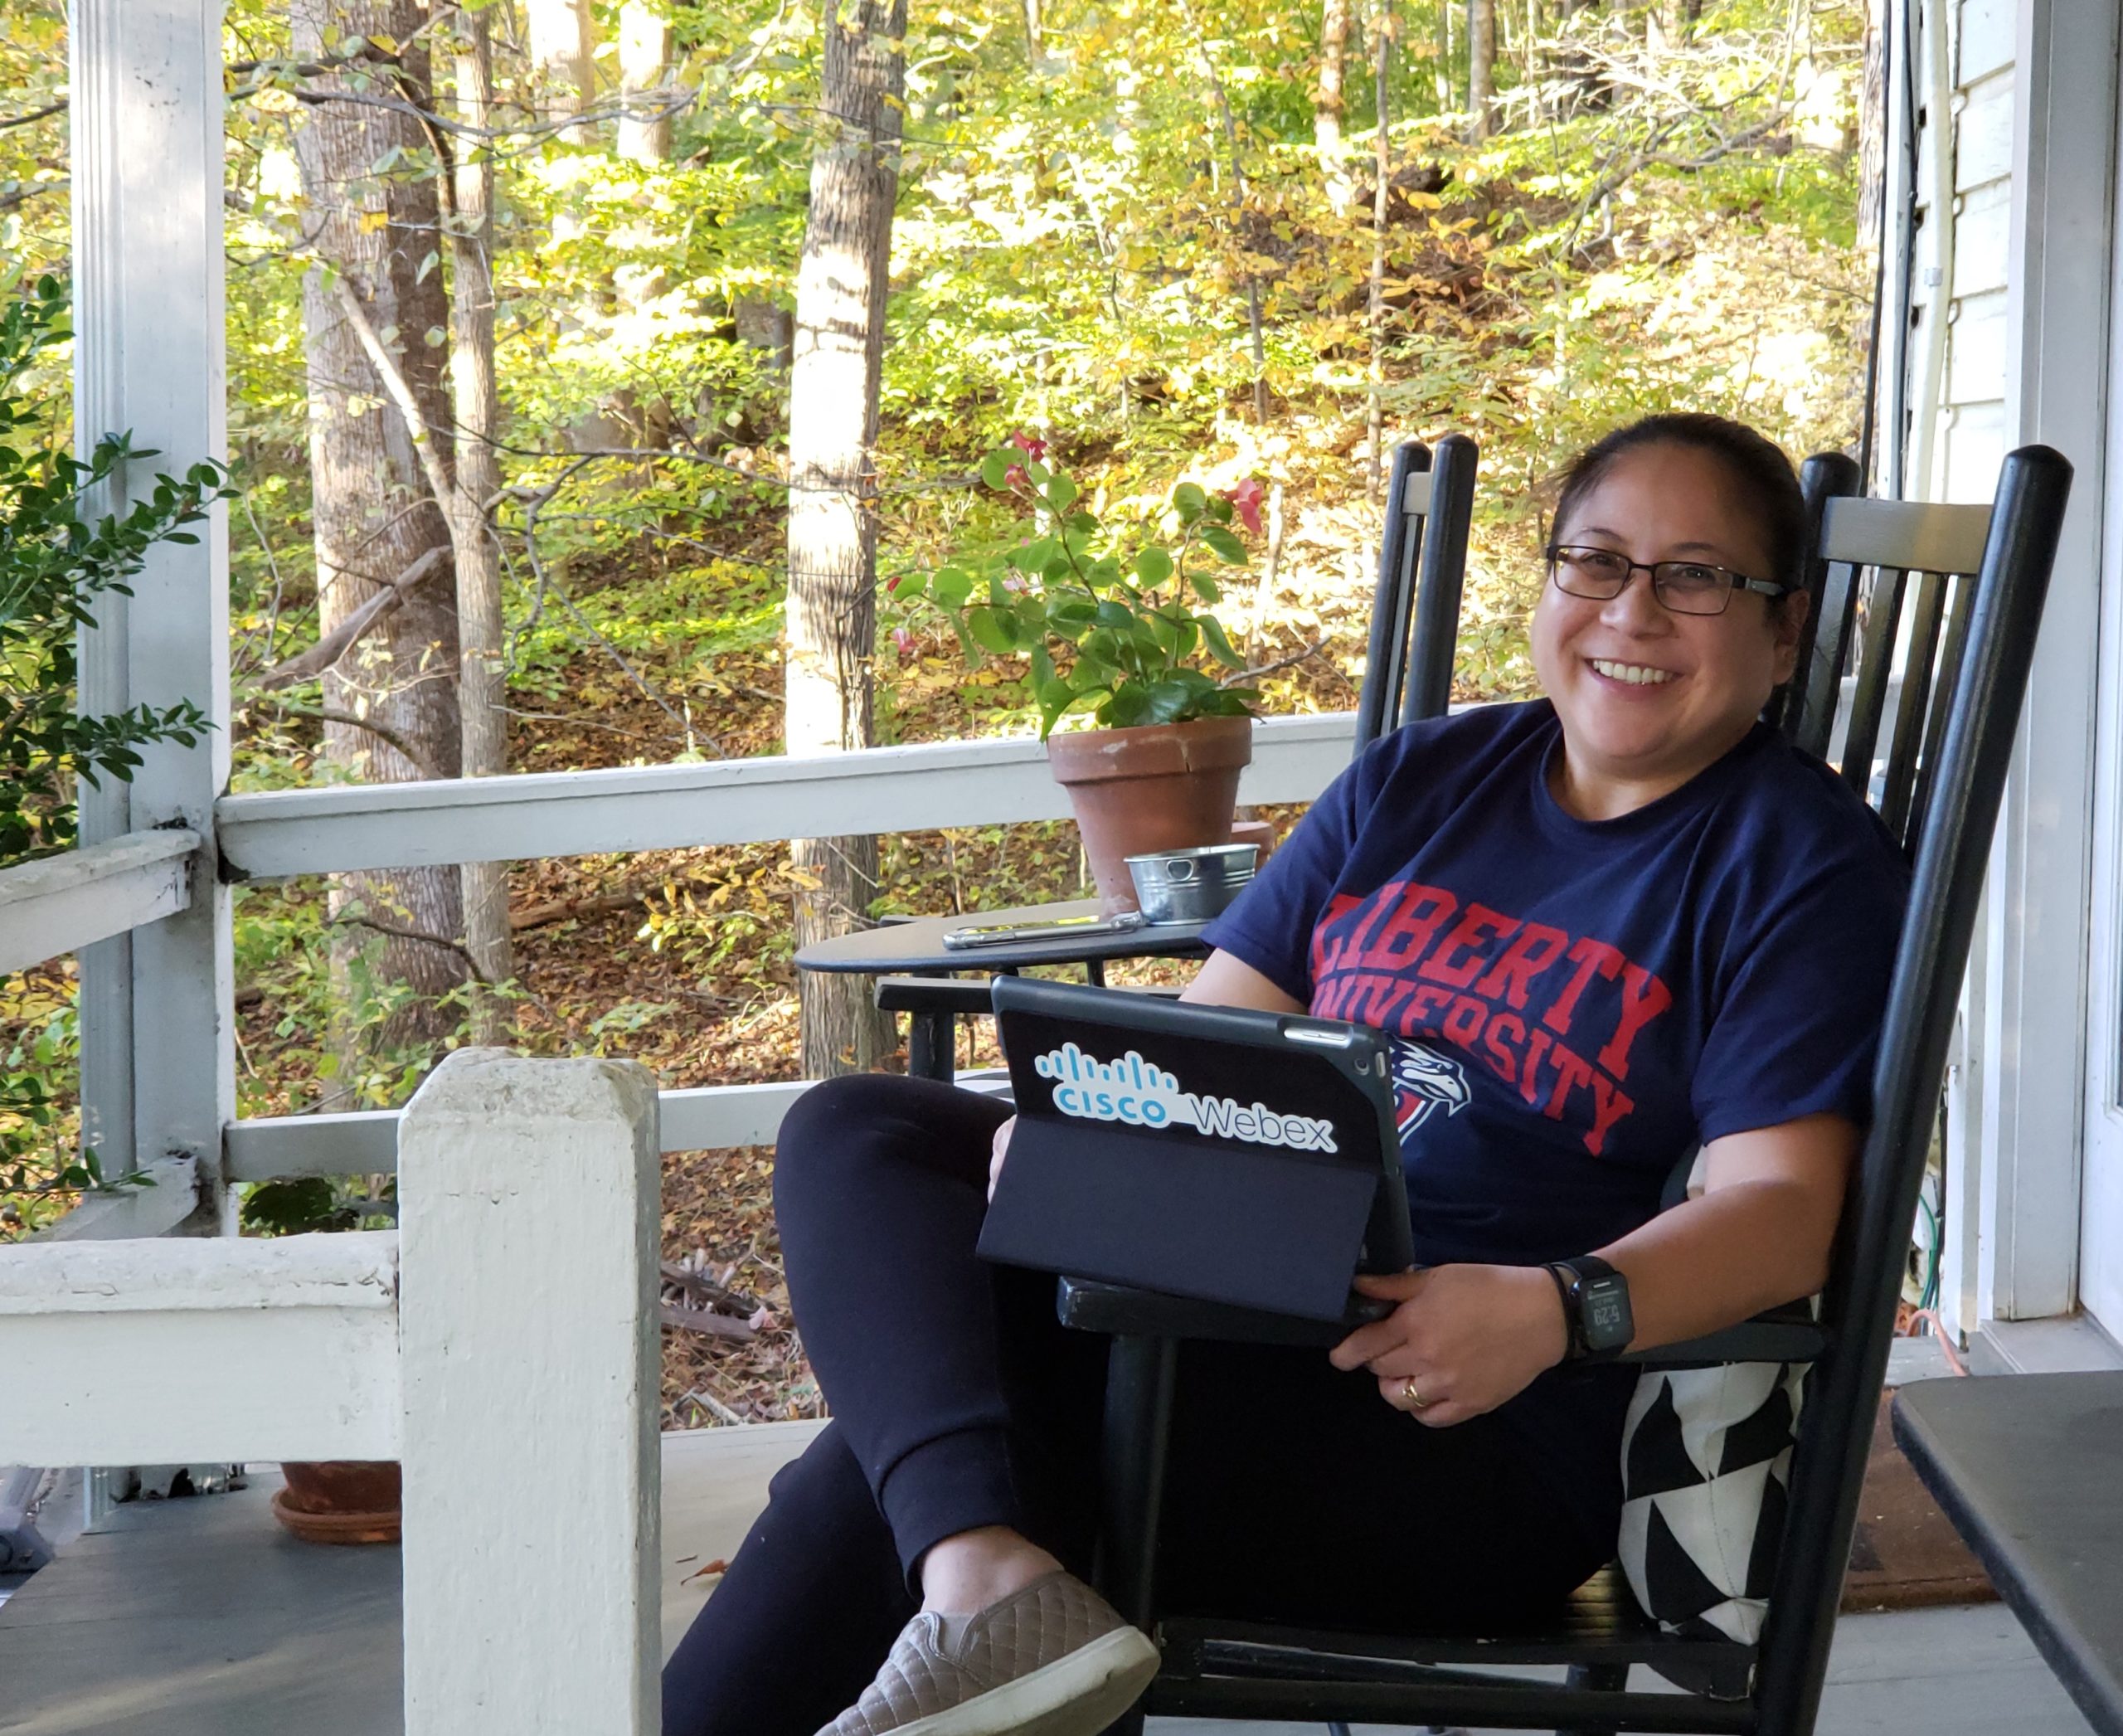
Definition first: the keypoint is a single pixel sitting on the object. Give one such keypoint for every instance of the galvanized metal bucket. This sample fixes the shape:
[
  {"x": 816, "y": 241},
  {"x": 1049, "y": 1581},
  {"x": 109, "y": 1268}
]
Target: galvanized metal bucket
[{"x": 1191, "y": 885}]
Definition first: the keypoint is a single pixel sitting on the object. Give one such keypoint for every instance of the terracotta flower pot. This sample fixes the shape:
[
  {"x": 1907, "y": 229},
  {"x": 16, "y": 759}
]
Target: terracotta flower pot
[
  {"x": 340, "y": 1501},
  {"x": 1165, "y": 786}
]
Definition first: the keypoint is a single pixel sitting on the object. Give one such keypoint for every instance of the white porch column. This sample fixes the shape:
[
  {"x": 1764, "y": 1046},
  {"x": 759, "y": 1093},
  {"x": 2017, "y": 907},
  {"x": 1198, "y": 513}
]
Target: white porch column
[
  {"x": 529, "y": 1211},
  {"x": 2034, "y": 947},
  {"x": 157, "y": 1054}
]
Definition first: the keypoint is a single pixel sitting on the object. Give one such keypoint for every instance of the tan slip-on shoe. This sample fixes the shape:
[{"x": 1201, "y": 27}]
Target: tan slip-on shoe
[{"x": 1052, "y": 1659}]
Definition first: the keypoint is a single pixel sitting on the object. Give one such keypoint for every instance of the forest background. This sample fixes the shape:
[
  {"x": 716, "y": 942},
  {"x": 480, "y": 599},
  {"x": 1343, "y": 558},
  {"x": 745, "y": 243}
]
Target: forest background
[{"x": 541, "y": 312}]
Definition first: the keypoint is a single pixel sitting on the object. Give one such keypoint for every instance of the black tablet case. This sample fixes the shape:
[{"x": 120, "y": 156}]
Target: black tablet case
[{"x": 1174, "y": 1210}]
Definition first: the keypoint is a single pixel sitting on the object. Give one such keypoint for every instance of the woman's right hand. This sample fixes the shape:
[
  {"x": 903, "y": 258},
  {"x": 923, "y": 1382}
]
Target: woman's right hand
[{"x": 1001, "y": 1147}]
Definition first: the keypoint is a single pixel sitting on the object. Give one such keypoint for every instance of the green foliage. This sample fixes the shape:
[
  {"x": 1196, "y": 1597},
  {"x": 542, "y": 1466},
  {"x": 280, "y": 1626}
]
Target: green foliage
[
  {"x": 1097, "y": 626},
  {"x": 306, "y": 1205},
  {"x": 54, "y": 564},
  {"x": 1664, "y": 216},
  {"x": 37, "y": 1167},
  {"x": 286, "y": 938},
  {"x": 34, "y": 230}
]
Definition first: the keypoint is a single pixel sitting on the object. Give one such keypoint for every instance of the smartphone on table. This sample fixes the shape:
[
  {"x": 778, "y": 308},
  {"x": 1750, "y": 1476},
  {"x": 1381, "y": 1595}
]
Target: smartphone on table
[{"x": 1005, "y": 934}]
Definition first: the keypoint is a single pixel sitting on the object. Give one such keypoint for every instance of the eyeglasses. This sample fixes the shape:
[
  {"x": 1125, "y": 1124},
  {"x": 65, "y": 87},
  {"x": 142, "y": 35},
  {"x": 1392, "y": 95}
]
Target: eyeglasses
[{"x": 1686, "y": 587}]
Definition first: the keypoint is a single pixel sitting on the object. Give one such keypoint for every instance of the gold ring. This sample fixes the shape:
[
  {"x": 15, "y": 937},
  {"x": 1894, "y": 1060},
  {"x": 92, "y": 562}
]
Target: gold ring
[{"x": 1415, "y": 1400}]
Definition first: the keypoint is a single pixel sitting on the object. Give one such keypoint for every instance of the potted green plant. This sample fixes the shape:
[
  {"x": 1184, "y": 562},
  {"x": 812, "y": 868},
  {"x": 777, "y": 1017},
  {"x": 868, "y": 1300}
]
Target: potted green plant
[{"x": 1117, "y": 625}]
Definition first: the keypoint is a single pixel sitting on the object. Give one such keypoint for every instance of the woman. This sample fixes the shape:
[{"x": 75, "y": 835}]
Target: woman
[{"x": 1625, "y": 919}]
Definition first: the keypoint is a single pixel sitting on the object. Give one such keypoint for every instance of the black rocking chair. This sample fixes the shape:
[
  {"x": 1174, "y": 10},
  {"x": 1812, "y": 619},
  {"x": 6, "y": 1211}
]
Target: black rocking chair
[{"x": 1922, "y": 634}]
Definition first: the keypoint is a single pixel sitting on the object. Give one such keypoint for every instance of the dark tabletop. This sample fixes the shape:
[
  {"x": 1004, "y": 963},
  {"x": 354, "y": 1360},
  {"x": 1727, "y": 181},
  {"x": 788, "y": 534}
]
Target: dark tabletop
[
  {"x": 919, "y": 944},
  {"x": 2029, "y": 1468}
]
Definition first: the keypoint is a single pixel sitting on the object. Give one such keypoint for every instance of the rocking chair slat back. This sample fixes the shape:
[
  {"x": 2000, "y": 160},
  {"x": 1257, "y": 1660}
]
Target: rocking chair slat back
[
  {"x": 1925, "y": 615},
  {"x": 1810, "y": 694},
  {"x": 1958, "y": 612},
  {"x": 1975, "y": 687},
  {"x": 1422, "y": 561},
  {"x": 1875, "y": 661}
]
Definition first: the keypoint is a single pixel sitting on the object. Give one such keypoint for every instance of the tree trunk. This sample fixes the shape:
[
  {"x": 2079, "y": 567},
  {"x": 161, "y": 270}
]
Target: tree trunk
[
  {"x": 563, "y": 44},
  {"x": 841, "y": 286},
  {"x": 372, "y": 514},
  {"x": 1241, "y": 217},
  {"x": 1328, "y": 105},
  {"x": 1530, "y": 70},
  {"x": 481, "y": 683},
  {"x": 1035, "y": 37},
  {"x": 1441, "y": 69},
  {"x": 644, "y": 59},
  {"x": 1873, "y": 125},
  {"x": 1593, "y": 92},
  {"x": 1481, "y": 66}
]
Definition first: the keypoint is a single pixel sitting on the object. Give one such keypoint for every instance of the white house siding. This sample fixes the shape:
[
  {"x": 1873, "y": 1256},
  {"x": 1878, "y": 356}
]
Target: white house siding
[
  {"x": 1969, "y": 442},
  {"x": 1970, "y": 431}
]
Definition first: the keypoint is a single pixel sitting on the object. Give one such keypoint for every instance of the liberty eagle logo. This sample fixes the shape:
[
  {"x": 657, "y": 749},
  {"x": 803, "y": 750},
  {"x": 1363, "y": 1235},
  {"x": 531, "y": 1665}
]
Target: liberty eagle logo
[{"x": 1423, "y": 1079}]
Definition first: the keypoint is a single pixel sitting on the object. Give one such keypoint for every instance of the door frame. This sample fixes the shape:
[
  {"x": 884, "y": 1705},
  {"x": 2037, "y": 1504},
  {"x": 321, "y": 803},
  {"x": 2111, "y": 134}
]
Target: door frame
[
  {"x": 2100, "y": 1253},
  {"x": 2021, "y": 1089}
]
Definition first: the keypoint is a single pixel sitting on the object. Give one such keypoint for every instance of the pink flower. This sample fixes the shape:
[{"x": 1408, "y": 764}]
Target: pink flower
[
  {"x": 892, "y": 583},
  {"x": 902, "y": 640},
  {"x": 1245, "y": 498},
  {"x": 1030, "y": 445},
  {"x": 1015, "y": 478},
  {"x": 1015, "y": 585}
]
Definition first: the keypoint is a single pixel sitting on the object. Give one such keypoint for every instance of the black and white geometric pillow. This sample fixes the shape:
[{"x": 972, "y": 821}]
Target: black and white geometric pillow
[{"x": 1706, "y": 1467}]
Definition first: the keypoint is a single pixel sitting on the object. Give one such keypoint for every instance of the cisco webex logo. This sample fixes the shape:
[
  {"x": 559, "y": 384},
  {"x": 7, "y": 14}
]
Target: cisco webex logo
[{"x": 1142, "y": 1094}]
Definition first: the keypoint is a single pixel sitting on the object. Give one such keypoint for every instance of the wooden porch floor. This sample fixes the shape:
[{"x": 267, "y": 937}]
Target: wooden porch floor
[{"x": 201, "y": 1618}]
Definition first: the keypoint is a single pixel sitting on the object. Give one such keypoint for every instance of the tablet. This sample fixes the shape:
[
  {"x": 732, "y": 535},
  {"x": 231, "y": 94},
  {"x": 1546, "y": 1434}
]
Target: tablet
[{"x": 1222, "y": 1153}]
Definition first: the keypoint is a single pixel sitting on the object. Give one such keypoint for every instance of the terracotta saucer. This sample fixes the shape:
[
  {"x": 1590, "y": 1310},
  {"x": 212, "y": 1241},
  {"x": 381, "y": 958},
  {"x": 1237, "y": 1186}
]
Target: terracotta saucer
[{"x": 335, "y": 1527}]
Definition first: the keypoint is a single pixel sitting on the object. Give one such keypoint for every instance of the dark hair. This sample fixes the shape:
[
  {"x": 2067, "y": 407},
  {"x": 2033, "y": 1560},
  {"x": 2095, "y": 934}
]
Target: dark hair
[{"x": 1766, "y": 481}]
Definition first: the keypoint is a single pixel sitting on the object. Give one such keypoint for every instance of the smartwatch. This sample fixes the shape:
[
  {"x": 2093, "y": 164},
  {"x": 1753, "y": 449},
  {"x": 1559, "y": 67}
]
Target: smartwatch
[{"x": 1595, "y": 1308}]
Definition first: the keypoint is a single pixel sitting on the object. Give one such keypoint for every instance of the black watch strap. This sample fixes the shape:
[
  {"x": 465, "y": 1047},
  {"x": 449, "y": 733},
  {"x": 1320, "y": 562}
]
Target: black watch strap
[{"x": 1572, "y": 1347}]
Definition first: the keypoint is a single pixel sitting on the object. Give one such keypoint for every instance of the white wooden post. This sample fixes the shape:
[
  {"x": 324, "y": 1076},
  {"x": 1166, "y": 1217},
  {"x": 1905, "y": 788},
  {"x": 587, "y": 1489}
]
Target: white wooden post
[
  {"x": 2040, "y": 895},
  {"x": 157, "y": 1052},
  {"x": 529, "y": 1211}
]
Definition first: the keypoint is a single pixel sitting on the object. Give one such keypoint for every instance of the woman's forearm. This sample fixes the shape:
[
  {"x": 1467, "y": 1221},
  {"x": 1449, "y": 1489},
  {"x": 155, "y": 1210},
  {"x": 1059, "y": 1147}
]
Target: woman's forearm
[
  {"x": 1759, "y": 1235},
  {"x": 1720, "y": 1259}
]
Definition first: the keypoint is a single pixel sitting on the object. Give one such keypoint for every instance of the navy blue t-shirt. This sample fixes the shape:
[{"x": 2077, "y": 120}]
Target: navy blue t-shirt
[{"x": 1579, "y": 1004}]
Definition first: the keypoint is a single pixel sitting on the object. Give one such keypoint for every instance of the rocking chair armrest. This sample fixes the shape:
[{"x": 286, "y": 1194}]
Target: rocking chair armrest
[
  {"x": 932, "y": 994},
  {"x": 1786, "y": 1334},
  {"x": 1120, "y": 1310},
  {"x": 1782, "y": 1334}
]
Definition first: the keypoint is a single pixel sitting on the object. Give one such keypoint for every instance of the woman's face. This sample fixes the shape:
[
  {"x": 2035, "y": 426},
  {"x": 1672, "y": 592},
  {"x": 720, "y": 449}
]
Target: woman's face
[{"x": 1647, "y": 698}]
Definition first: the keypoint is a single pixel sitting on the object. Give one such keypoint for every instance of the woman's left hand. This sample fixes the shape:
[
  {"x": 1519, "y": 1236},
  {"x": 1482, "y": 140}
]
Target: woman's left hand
[{"x": 1463, "y": 1340}]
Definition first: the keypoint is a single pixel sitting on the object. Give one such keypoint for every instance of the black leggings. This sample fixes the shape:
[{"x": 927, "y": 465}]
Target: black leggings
[{"x": 1295, "y": 1491}]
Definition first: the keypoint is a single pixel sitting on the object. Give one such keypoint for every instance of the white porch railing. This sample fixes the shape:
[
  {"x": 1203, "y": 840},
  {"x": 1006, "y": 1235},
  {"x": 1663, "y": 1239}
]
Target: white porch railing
[
  {"x": 524, "y": 1410},
  {"x": 153, "y": 1201},
  {"x": 188, "y": 1349},
  {"x": 62, "y": 903},
  {"x": 705, "y": 1118},
  {"x": 67, "y": 902},
  {"x": 335, "y": 829}
]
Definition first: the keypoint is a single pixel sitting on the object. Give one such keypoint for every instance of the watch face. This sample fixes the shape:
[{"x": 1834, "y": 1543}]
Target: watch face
[{"x": 1606, "y": 1312}]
